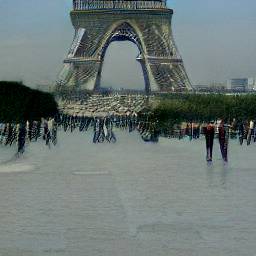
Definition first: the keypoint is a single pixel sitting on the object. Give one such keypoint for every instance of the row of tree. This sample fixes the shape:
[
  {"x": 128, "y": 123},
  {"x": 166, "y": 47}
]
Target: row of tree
[
  {"x": 20, "y": 103},
  {"x": 177, "y": 108}
]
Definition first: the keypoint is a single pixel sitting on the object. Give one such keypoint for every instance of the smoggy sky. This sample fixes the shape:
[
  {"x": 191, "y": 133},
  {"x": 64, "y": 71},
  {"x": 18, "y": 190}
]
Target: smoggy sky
[{"x": 217, "y": 39}]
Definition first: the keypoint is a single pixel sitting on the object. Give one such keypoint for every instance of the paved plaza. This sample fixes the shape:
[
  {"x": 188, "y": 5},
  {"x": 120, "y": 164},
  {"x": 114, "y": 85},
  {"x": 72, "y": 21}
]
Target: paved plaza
[{"x": 128, "y": 198}]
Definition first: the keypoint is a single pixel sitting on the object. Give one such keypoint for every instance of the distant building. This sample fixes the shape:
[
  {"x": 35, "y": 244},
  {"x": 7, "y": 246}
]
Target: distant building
[
  {"x": 252, "y": 84},
  {"x": 240, "y": 84}
]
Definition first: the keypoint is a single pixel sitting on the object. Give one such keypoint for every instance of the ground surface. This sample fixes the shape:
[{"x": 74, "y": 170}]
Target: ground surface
[{"x": 127, "y": 199}]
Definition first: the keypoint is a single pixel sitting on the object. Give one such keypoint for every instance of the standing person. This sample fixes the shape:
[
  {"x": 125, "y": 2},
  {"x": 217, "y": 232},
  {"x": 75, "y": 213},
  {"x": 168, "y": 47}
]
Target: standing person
[
  {"x": 250, "y": 132},
  {"x": 254, "y": 133},
  {"x": 96, "y": 130},
  {"x": 21, "y": 138},
  {"x": 191, "y": 126},
  {"x": 209, "y": 138},
  {"x": 223, "y": 140},
  {"x": 8, "y": 134},
  {"x": 47, "y": 134},
  {"x": 241, "y": 131},
  {"x": 54, "y": 132}
]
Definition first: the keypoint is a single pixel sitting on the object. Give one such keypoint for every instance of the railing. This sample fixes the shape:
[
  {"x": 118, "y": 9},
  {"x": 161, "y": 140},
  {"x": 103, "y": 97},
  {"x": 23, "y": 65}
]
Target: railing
[{"x": 112, "y": 4}]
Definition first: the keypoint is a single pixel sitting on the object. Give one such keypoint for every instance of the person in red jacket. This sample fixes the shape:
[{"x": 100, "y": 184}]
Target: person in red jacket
[{"x": 209, "y": 138}]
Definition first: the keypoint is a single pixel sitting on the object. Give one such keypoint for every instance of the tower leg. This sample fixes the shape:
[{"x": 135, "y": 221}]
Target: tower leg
[
  {"x": 149, "y": 30},
  {"x": 145, "y": 75}
]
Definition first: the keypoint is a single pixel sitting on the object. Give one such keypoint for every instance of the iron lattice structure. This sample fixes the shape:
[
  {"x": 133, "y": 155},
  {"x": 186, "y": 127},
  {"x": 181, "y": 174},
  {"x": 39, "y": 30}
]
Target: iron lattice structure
[{"x": 146, "y": 23}]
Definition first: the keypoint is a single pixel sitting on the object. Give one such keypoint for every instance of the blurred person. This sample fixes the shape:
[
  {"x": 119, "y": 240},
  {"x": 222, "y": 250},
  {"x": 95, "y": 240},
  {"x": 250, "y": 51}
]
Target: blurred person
[
  {"x": 223, "y": 140},
  {"x": 209, "y": 138}
]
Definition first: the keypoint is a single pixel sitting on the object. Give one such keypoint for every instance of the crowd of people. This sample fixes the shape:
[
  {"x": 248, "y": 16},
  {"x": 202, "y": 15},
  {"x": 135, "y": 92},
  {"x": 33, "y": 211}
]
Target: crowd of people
[
  {"x": 244, "y": 131},
  {"x": 46, "y": 129},
  {"x": 26, "y": 132},
  {"x": 103, "y": 126},
  {"x": 104, "y": 105},
  {"x": 149, "y": 129}
]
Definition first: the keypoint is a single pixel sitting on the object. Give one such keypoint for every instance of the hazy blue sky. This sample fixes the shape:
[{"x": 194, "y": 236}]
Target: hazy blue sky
[{"x": 217, "y": 39}]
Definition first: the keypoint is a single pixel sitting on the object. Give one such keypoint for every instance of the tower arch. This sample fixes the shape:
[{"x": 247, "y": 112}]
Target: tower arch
[
  {"x": 122, "y": 31},
  {"x": 146, "y": 23}
]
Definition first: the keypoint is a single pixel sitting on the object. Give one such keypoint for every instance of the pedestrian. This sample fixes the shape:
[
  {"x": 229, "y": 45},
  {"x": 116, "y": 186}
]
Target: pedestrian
[
  {"x": 21, "y": 138},
  {"x": 209, "y": 138},
  {"x": 241, "y": 131},
  {"x": 223, "y": 140},
  {"x": 250, "y": 132}
]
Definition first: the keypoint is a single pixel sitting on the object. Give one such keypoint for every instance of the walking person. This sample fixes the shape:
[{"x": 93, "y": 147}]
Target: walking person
[
  {"x": 241, "y": 131},
  {"x": 254, "y": 134},
  {"x": 250, "y": 132},
  {"x": 223, "y": 140},
  {"x": 21, "y": 138},
  {"x": 47, "y": 134},
  {"x": 9, "y": 134},
  {"x": 209, "y": 138}
]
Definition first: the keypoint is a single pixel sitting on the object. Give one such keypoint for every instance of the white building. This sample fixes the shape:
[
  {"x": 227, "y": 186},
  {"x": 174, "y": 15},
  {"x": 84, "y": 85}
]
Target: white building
[
  {"x": 241, "y": 84},
  {"x": 252, "y": 84}
]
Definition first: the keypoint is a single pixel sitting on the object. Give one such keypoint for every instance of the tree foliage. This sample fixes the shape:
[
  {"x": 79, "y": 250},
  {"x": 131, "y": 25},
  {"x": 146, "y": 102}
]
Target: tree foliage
[
  {"x": 21, "y": 103},
  {"x": 176, "y": 108}
]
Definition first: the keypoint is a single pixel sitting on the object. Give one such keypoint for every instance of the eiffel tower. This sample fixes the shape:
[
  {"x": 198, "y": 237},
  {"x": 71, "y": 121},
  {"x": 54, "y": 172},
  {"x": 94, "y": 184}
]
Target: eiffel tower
[{"x": 146, "y": 23}]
